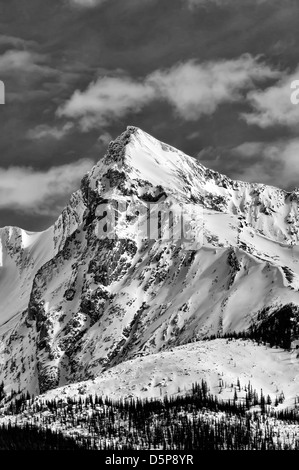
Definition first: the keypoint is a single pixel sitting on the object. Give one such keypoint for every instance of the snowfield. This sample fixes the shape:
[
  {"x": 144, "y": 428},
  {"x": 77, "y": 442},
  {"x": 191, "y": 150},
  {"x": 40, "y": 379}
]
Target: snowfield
[{"x": 173, "y": 372}]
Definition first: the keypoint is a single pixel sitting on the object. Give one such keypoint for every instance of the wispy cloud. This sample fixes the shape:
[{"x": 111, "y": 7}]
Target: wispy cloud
[
  {"x": 106, "y": 100},
  {"x": 191, "y": 88},
  {"x": 40, "y": 192},
  {"x": 190, "y": 3},
  {"x": 26, "y": 61},
  {"x": 195, "y": 89},
  {"x": 195, "y": 3},
  {"x": 94, "y": 3},
  {"x": 44, "y": 131},
  {"x": 273, "y": 163},
  {"x": 273, "y": 105},
  {"x": 13, "y": 41},
  {"x": 86, "y": 3},
  {"x": 29, "y": 75},
  {"x": 105, "y": 139}
]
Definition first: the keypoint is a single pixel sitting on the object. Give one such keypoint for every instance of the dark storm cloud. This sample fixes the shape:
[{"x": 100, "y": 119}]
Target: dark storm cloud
[{"x": 55, "y": 55}]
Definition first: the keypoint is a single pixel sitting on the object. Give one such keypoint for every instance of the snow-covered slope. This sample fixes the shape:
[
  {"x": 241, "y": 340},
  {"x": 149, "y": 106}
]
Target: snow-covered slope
[
  {"x": 223, "y": 364},
  {"x": 75, "y": 304},
  {"x": 23, "y": 253}
]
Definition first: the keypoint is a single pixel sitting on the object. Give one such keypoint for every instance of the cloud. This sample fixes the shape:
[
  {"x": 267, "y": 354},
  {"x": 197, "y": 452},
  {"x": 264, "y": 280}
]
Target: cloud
[
  {"x": 105, "y": 139},
  {"x": 40, "y": 192},
  {"x": 273, "y": 105},
  {"x": 190, "y": 3},
  {"x": 14, "y": 41},
  {"x": 95, "y": 3},
  {"x": 25, "y": 61},
  {"x": 196, "y": 3},
  {"x": 195, "y": 89},
  {"x": 191, "y": 88},
  {"x": 28, "y": 76},
  {"x": 87, "y": 3},
  {"x": 43, "y": 131},
  {"x": 273, "y": 163},
  {"x": 106, "y": 100}
]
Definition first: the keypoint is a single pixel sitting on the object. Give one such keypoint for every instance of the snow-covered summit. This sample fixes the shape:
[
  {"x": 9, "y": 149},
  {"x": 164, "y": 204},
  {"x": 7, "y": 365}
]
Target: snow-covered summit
[{"x": 136, "y": 164}]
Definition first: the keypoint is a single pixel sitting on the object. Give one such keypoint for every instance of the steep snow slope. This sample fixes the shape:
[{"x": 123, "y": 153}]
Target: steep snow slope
[
  {"x": 97, "y": 301},
  {"x": 23, "y": 253}
]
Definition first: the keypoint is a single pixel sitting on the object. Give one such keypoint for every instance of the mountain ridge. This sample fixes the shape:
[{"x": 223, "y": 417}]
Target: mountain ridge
[{"x": 86, "y": 304}]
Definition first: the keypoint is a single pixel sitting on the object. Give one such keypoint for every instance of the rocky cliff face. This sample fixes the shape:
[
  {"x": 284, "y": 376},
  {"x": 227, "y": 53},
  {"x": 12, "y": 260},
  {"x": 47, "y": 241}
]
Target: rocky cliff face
[{"x": 76, "y": 302}]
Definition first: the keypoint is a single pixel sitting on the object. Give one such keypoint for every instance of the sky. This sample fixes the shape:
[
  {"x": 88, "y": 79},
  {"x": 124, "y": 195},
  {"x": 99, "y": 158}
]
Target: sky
[{"x": 210, "y": 77}]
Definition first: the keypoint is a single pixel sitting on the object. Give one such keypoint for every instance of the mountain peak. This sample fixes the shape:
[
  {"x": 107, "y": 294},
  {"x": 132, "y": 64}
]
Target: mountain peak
[
  {"x": 87, "y": 302},
  {"x": 136, "y": 156}
]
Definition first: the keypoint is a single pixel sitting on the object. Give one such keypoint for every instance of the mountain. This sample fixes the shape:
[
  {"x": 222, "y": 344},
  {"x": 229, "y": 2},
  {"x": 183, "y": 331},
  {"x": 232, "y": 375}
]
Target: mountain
[{"x": 94, "y": 293}]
